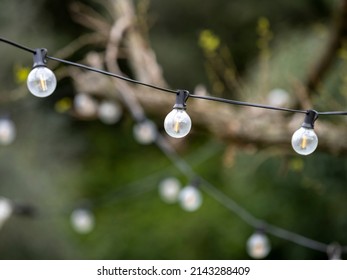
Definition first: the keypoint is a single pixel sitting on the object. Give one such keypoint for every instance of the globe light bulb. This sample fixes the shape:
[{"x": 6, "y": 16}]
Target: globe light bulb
[
  {"x": 178, "y": 123},
  {"x": 145, "y": 132},
  {"x": 278, "y": 97},
  {"x": 5, "y": 210},
  {"x": 258, "y": 246},
  {"x": 190, "y": 198},
  {"x": 41, "y": 81},
  {"x": 7, "y": 131},
  {"x": 305, "y": 140},
  {"x": 85, "y": 105},
  {"x": 169, "y": 190},
  {"x": 82, "y": 220},
  {"x": 109, "y": 112}
]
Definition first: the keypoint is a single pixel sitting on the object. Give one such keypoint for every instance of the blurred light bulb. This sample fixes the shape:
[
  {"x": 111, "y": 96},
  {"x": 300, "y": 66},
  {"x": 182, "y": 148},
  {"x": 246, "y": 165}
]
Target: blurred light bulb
[
  {"x": 190, "y": 198},
  {"x": 305, "y": 140},
  {"x": 177, "y": 123},
  {"x": 258, "y": 246},
  {"x": 41, "y": 81},
  {"x": 169, "y": 190},
  {"x": 278, "y": 97},
  {"x": 5, "y": 210},
  {"x": 7, "y": 131},
  {"x": 109, "y": 112},
  {"x": 145, "y": 132},
  {"x": 82, "y": 220},
  {"x": 85, "y": 105}
]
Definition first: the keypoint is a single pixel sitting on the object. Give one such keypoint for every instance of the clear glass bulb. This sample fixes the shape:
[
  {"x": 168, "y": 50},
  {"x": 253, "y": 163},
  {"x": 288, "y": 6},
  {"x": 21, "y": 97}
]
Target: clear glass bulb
[
  {"x": 82, "y": 220},
  {"x": 169, "y": 190},
  {"x": 5, "y": 210},
  {"x": 258, "y": 246},
  {"x": 304, "y": 141},
  {"x": 41, "y": 81},
  {"x": 177, "y": 123},
  {"x": 190, "y": 198},
  {"x": 145, "y": 132},
  {"x": 7, "y": 131},
  {"x": 109, "y": 112}
]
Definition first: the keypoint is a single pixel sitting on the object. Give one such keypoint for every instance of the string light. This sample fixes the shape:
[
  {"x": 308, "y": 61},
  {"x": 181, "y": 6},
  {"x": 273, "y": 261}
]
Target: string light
[
  {"x": 85, "y": 105},
  {"x": 305, "y": 140},
  {"x": 41, "y": 81},
  {"x": 145, "y": 132},
  {"x": 178, "y": 123},
  {"x": 180, "y": 163},
  {"x": 82, "y": 220},
  {"x": 7, "y": 131},
  {"x": 190, "y": 197},
  {"x": 278, "y": 97},
  {"x": 169, "y": 190},
  {"x": 5, "y": 210},
  {"x": 109, "y": 112},
  {"x": 258, "y": 245}
]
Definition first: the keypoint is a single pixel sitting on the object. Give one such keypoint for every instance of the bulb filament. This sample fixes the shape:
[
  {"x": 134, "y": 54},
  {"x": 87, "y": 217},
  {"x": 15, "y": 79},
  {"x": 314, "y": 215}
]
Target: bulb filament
[
  {"x": 303, "y": 143},
  {"x": 177, "y": 127},
  {"x": 43, "y": 83}
]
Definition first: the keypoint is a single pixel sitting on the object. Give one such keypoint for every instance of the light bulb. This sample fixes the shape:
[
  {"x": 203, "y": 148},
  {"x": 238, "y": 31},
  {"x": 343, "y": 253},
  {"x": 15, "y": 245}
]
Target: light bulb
[
  {"x": 305, "y": 140},
  {"x": 145, "y": 132},
  {"x": 5, "y": 210},
  {"x": 278, "y": 97},
  {"x": 258, "y": 246},
  {"x": 41, "y": 81},
  {"x": 85, "y": 105},
  {"x": 109, "y": 112},
  {"x": 178, "y": 123},
  {"x": 7, "y": 131},
  {"x": 169, "y": 190},
  {"x": 190, "y": 198},
  {"x": 82, "y": 220}
]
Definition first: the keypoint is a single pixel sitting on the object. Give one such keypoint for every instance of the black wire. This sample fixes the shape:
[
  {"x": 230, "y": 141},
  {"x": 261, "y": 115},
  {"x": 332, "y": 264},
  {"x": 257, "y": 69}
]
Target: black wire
[
  {"x": 241, "y": 103},
  {"x": 9, "y": 42},
  {"x": 110, "y": 74},
  {"x": 210, "y": 98}
]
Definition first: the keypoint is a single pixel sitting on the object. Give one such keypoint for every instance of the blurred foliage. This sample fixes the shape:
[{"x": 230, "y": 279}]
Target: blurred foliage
[{"x": 58, "y": 162}]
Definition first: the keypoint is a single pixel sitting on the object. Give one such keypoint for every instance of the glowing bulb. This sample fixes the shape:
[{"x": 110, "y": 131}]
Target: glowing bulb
[
  {"x": 41, "y": 81},
  {"x": 109, "y": 112},
  {"x": 190, "y": 198},
  {"x": 169, "y": 190},
  {"x": 82, "y": 220},
  {"x": 258, "y": 246},
  {"x": 177, "y": 123},
  {"x": 85, "y": 105},
  {"x": 305, "y": 140},
  {"x": 145, "y": 132},
  {"x": 5, "y": 210},
  {"x": 7, "y": 131},
  {"x": 278, "y": 97}
]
